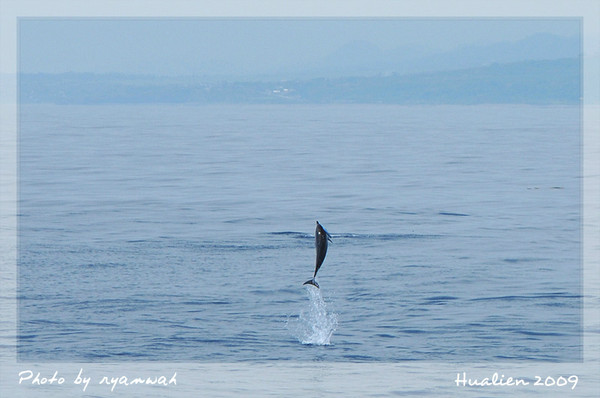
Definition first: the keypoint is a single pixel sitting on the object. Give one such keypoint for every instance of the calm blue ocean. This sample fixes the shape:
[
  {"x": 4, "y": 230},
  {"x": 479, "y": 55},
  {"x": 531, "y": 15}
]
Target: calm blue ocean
[{"x": 184, "y": 233}]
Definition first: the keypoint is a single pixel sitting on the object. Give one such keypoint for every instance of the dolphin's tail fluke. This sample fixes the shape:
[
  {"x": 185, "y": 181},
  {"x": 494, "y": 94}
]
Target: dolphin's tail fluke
[{"x": 312, "y": 282}]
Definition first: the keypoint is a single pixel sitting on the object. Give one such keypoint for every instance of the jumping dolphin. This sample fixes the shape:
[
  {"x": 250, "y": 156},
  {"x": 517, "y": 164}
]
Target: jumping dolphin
[{"x": 321, "y": 238}]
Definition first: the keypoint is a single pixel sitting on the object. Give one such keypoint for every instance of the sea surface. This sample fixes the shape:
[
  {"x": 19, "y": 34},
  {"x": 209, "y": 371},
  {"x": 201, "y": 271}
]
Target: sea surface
[{"x": 184, "y": 233}]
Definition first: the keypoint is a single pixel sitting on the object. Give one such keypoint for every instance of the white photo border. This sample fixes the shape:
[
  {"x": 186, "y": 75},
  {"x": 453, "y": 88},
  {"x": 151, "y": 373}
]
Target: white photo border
[{"x": 273, "y": 379}]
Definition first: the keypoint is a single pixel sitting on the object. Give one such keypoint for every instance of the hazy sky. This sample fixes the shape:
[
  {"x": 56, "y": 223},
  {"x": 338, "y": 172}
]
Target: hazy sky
[{"x": 245, "y": 46}]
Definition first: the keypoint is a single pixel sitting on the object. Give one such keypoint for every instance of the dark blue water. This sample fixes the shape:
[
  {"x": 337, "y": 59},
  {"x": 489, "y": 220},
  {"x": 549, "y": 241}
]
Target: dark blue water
[{"x": 184, "y": 233}]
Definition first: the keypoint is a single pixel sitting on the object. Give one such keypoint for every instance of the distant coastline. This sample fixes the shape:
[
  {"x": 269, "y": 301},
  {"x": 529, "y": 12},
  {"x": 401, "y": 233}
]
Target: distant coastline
[{"x": 526, "y": 82}]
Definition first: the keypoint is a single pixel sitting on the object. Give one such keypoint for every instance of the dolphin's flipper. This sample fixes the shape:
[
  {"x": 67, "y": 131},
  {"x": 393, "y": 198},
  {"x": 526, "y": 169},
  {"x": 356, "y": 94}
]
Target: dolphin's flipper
[{"x": 312, "y": 282}]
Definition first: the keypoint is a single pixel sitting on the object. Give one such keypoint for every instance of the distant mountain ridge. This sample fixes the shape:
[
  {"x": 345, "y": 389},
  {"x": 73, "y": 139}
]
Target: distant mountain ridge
[
  {"x": 555, "y": 81},
  {"x": 365, "y": 58}
]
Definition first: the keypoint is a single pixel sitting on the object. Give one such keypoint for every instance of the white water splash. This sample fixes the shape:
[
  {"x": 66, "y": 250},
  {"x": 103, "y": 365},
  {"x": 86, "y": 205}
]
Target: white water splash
[{"x": 314, "y": 325}]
